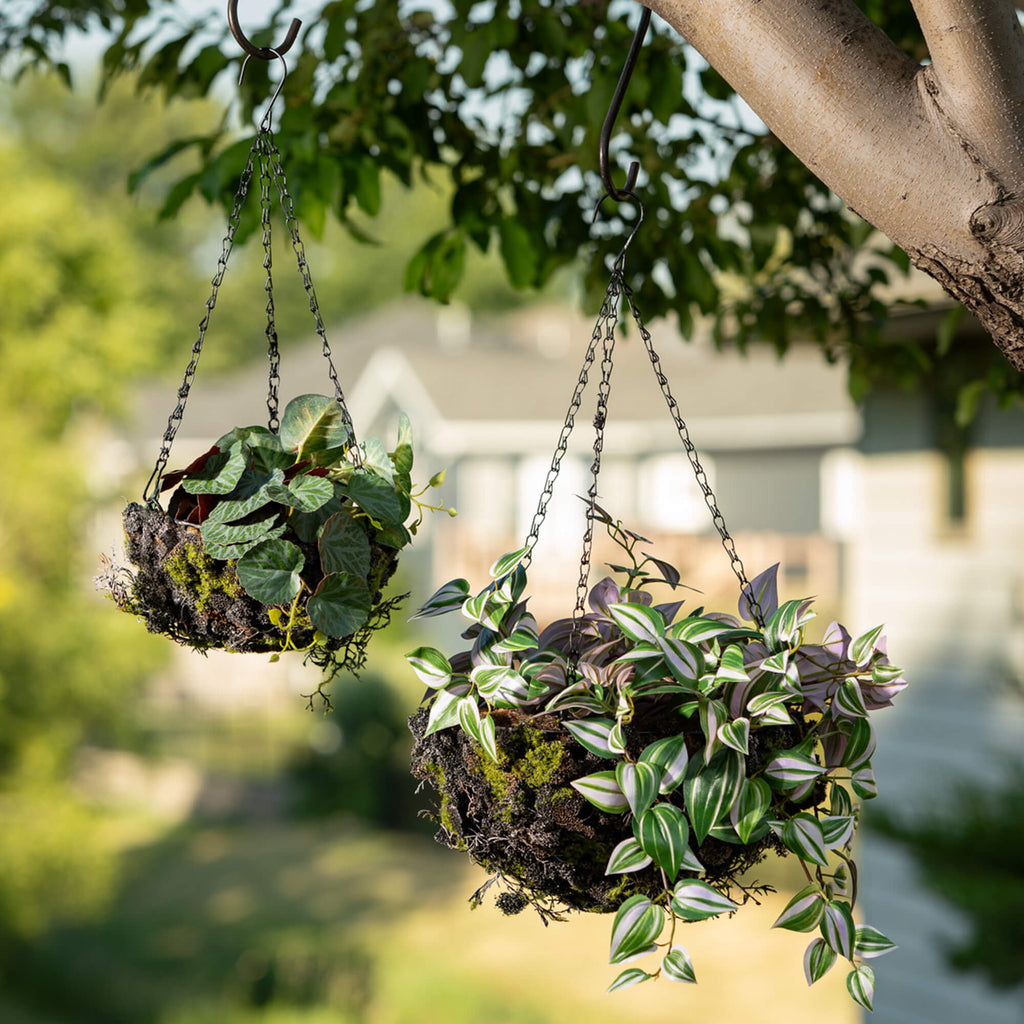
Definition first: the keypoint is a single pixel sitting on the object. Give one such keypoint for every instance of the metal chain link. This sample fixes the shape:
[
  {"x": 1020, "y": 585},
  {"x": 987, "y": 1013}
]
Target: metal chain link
[
  {"x": 151, "y": 492},
  {"x": 609, "y": 312},
  {"x": 691, "y": 453},
  {"x": 273, "y": 352},
  {"x": 600, "y": 419},
  {"x": 287, "y": 206}
]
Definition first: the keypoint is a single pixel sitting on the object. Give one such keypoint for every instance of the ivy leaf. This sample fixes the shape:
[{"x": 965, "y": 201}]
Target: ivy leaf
[
  {"x": 340, "y": 605},
  {"x": 694, "y": 900},
  {"x": 270, "y": 571},
  {"x": 638, "y": 923}
]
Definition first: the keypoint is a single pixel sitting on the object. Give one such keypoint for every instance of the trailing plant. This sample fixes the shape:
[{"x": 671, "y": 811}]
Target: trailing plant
[
  {"x": 277, "y": 541},
  {"x": 635, "y": 761}
]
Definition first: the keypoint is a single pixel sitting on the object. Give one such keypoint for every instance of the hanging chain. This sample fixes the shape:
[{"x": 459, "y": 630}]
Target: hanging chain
[
  {"x": 600, "y": 420},
  {"x": 608, "y": 315},
  {"x": 151, "y": 492},
  {"x": 314, "y": 307},
  {"x": 691, "y": 453},
  {"x": 273, "y": 352}
]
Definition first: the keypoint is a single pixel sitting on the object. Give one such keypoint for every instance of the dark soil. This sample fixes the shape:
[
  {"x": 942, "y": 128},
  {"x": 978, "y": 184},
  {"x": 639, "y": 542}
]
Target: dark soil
[
  {"x": 183, "y": 593},
  {"x": 521, "y": 819}
]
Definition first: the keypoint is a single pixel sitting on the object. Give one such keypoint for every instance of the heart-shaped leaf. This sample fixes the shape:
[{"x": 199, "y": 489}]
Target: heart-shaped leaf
[
  {"x": 340, "y": 605},
  {"x": 344, "y": 546},
  {"x": 270, "y": 571},
  {"x": 312, "y": 423},
  {"x": 638, "y": 923},
  {"x": 639, "y": 783},
  {"x": 694, "y": 900},
  {"x": 664, "y": 835}
]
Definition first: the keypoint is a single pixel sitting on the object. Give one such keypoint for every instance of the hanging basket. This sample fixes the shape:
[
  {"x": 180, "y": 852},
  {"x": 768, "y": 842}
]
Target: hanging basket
[
  {"x": 639, "y": 760},
  {"x": 280, "y": 537}
]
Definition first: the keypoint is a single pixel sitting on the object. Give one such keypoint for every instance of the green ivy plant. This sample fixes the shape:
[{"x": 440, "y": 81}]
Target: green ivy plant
[
  {"x": 762, "y": 740},
  {"x": 299, "y": 527}
]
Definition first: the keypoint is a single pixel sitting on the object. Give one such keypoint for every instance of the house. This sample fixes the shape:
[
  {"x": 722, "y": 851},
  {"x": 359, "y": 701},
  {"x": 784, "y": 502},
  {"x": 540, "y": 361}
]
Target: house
[{"x": 858, "y": 505}]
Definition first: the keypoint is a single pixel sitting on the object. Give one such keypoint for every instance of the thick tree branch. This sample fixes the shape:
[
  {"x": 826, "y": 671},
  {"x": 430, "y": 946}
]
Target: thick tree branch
[{"x": 977, "y": 54}]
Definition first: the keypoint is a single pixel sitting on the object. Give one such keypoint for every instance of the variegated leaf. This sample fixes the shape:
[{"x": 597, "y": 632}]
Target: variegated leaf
[
  {"x": 469, "y": 716},
  {"x": 763, "y": 702},
  {"x": 682, "y": 658},
  {"x": 789, "y": 770},
  {"x": 838, "y": 929},
  {"x": 507, "y": 563},
  {"x": 748, "y": 812},
  {"x": 664, "y": 835},
  {"x": 736, "y": 734},
  {"x": 693, "y": 900},
  {"x": 802, "y": 834},
  {"x": 818, "y": 960},
  {"x": 730, "y": 666},
  {"x": 444, "y": 711},
  {"x": 870, "y": 942},
  {"x": 639, "y": 783},
  {"x": 523, "y": 638},
  {"x": 449, "y": 597},
  {"x": 838, "y": 830},
  {"x": 491, "y": 679},
  {"x": 602, "y": 791},
  {"x": 713, "y": 790},
  {"x": 627, "y": 856},
  {"x": 694, "y": 630},
  {"x": 592, "y": 733},
  {"x": 863, "y": 647},
  {"x": 431, "y": 666},
  {"x": 669, "y": 754},
  {"x": 677, "y": 965},
  {"x": 629, "y": 977},
  {"x": 864, "y": 784},
  {"x": 712, "y": 714},
  {"x": 840, "y": 804},
  {"x": 638, "y": 923},
  {"x": 487, "y": 738},
  {"x": 777, "y": 663},
  {"x": 849, "y": 699},
  {"x": 860, "y": 983},
  {"x": 616, "y": 740},
  {"x": 638, "y": 621},
  {"x": 803, "y": 913}
]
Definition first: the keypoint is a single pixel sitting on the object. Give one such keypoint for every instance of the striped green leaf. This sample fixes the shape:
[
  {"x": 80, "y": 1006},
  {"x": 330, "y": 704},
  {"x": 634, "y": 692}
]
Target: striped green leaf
[
  {"x": 473, "y": 607},
  {"x": 677, "y": 965},
  {"x": 860, "y": 983},
  {"x": 490, "y": 679},
  {"x": 616, "y": 740},
  {"x": 469, "y": 716},
  {"x": 669, "y": 754},
  {"x": 783, "y": 628},
  {"x": 838, "y": 830},
  {"x": 577, "y": 697},
  {"x": 444, "y": 710},
  {"x": 639, "y": 783},
  {"x": 790, "y": 769},
  {"x": 736, "y": 734},
  {"x": 869, "y": 942},
  {"x": 803, "y": 913},
  {"x": 431, "y": 666},
  {"x": 693, "y": 900},
  {"x": 602, "y": 791},
  {"x": 638, "y": 923},
  {"x": 694, "y": 630},
  {"x": 730, "y": 666},
  {"x": 840, "y": 804},
  {"x": 751, "y": 808},
  {"x": 683, "y": 659},
  {"x": 664, "y": 835},
  {"x": 863, "y": 647},
  {"x": 764, "y": 702},
  {"x": 523, "y": 638},
  {"x": 449, "y": 597},
  {"x": 487, "y": 738},
  {"x": 592, "y": 733},
  {"x": 818, "y": 960},
  {"x": 802, "y": 834},
  {"x": 627, "y": 856},
  {"x": 864, "y": 784},
  {"x": 849, "y": 700},
  {"x": 713, "y": 790},
  {"x": 838, "y": 929},
  {"x": 639, "y": 622},
  {"x": 507, "y": 563},
  {"x": 860, "y": 742},
  {"x": 775, "y": 716},
  {"x": 777, "y": 663},
  {"x": 629, "y": 977},
  {"x": 713, "y": 713}
]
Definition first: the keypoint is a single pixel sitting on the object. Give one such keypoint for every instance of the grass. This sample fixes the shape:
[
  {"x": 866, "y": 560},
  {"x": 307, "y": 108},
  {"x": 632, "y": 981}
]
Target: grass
[{"x": 327, "y": 923}]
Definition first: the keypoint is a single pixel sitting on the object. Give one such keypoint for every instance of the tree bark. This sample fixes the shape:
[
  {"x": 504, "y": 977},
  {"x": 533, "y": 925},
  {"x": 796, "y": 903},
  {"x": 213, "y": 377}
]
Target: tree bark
[{"x": 932, "y": 155}]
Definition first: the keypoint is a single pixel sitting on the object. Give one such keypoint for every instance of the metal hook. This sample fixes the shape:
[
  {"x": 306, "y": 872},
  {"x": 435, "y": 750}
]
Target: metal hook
[
  {"x": 613, "y": 111},
  {"x": 620, "y": 260},
  {"x": 263, "y": 52},
  {"x": 265, "y": 120}
]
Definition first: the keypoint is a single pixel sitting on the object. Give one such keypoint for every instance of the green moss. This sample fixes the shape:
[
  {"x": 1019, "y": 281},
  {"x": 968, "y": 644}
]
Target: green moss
[
  {"x": 541, "y": 760},
  {"x": 500, "y": 782},
  {"x": 560, "y": 796},
  {"x": 194, "y": 570}
]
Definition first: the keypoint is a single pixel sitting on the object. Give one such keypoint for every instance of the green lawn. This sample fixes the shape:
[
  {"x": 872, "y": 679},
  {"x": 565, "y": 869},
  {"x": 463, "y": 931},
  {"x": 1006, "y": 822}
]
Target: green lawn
[{"x": 327, "y": 923}]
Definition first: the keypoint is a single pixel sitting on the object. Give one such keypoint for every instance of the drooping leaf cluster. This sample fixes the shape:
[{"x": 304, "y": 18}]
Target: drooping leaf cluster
[
  {"x": 501, "y": 105},
  {"x": 717, "y": 681}
]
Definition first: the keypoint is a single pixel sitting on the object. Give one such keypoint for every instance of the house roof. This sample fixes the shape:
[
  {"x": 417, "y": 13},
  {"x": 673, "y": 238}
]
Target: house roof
[{"x": 506, "y": 383}]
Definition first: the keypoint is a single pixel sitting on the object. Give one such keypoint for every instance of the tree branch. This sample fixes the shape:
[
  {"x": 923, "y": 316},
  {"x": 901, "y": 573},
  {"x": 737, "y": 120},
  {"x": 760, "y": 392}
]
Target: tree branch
[{"x": 977, "y": 53}]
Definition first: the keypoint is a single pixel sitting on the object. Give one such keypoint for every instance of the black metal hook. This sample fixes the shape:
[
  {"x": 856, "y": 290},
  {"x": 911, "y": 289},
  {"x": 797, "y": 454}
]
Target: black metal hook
[
  {"x": 263, "y": 52},
  {"x": 613, "y": 111}
]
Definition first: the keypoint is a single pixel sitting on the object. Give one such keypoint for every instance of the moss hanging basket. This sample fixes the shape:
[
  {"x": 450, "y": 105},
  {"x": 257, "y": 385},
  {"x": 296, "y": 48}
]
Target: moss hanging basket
[
  {"x": 274, "y": 541},
  {"x": 639, "y": 761}
]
